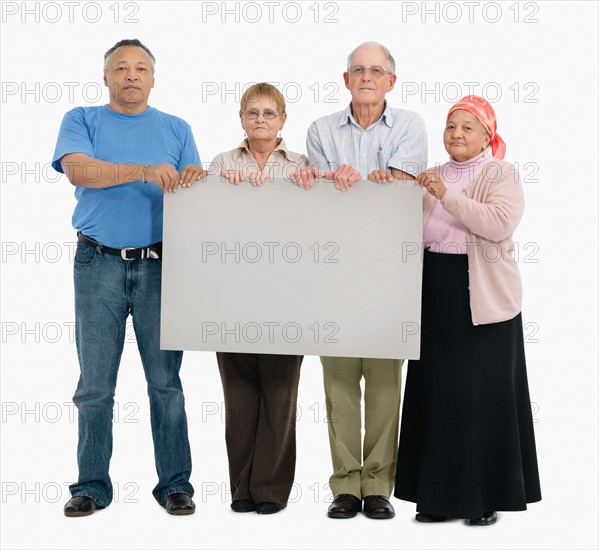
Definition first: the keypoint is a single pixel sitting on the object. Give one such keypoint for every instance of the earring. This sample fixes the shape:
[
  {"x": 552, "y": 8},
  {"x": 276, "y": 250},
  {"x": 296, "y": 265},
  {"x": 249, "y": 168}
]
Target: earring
[{"x": 280, "y": 136}]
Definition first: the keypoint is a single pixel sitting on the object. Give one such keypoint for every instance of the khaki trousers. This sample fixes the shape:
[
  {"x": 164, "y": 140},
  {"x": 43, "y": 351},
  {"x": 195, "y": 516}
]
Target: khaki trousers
[{"x": 371, "y": 471}]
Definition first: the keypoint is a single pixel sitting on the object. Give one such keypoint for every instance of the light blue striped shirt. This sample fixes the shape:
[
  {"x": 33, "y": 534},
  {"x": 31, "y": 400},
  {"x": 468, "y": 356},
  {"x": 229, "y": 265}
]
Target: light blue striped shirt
[{"x": 397, "y": 140}]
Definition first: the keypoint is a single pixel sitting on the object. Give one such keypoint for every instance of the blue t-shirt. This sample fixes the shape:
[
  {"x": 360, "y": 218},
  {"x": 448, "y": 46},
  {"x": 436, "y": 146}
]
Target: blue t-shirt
[{"x": 129, "y": 214}]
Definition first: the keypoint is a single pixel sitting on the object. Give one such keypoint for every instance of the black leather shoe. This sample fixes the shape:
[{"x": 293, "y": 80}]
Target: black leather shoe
[
  {"x": 488, "y": 519},
  {"x": 179, "y": 504},
  {"x": 244, "y": 505},
  {"x": 429, "y": 518},
  {"x": 268, "y": 507},
  {"x": 80, "y": 506},
  {"x": 344, "y": 506},
  {"x": 378, "y": 507}
]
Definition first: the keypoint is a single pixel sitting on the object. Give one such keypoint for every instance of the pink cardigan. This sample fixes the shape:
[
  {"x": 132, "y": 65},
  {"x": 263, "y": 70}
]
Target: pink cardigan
[{"x": 490, "y": 207}]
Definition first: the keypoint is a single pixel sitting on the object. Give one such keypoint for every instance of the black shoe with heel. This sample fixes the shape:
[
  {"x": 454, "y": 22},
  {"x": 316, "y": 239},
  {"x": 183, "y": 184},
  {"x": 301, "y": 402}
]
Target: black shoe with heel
[{"x": 488, "y": 518}]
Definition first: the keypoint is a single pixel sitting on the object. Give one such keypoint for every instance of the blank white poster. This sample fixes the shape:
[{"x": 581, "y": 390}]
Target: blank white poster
[{"x": 280, "y": 269}]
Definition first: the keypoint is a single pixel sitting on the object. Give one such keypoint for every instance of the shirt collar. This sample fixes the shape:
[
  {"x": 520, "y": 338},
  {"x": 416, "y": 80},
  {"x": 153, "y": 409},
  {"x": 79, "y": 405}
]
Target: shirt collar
[
  {"x": 347, "y": 118},
  {"x": 281, "y": 146}
]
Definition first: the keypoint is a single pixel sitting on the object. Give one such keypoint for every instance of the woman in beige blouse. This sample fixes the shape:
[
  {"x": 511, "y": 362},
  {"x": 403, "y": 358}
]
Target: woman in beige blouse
[
  {"x": 260, "y": 389},
  {"x": 262, "y": 154}
]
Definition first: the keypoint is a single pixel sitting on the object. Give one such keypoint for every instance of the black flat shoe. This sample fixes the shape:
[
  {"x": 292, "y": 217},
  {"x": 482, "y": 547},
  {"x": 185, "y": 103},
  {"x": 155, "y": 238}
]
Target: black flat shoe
[
  {"x": 344, "y": 506},
  {"x": 488, "y": 519},
  {"x": 378, "y": 507},
  {"x": 242, "y": 506},
  {"x": 179, "y": 504},
  {"x": 80, "y": 506},
  {"x": 429, "y": 518},
  {"x": 268, "y": 507}
]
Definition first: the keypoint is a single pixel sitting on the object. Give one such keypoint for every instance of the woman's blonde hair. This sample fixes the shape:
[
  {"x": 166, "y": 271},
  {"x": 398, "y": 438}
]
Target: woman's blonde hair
[{"x": 262, "y": 89}]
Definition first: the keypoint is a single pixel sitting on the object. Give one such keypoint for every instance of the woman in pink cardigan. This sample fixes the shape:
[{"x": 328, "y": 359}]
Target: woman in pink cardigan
[{"x": 467, "y": 446}]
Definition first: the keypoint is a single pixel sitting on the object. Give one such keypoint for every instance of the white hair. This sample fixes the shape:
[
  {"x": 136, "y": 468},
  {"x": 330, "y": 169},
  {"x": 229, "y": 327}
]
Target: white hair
[{"x": 390, "y": 60}]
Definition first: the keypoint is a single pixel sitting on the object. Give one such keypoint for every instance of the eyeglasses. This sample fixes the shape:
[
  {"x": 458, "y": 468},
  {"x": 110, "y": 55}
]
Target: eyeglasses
[
  {"x": 268, "y": 115},
  {"x": 375, "y": 72}
]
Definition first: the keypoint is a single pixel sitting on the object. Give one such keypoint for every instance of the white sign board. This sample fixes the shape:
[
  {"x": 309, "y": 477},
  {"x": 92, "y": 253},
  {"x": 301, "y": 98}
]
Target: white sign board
[{"x": 280, "y": 269}]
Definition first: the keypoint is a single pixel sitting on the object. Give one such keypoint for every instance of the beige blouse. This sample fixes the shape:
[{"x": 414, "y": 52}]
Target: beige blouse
[{"x": 280, "y": 163}]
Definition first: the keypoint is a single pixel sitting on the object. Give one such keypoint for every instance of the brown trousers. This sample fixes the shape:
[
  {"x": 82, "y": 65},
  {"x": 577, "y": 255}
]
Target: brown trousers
[{"x": 260, "y": 412}]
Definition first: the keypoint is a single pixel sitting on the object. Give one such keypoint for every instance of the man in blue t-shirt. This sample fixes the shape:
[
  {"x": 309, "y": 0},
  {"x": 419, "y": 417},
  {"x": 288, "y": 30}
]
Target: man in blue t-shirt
[{"x": 121, "y": 158}]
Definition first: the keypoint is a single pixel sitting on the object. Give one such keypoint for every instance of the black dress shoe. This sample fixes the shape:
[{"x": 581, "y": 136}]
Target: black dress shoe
[
  {"x": 344, "y": 506},
  {"x": 179, "y": 504},
  {"x": 244, "y": 505},
  {"x": 429, "y": 518},
  {"x": 80, "y": 506},
  {"x": 487, "y": 519},
  {"x": 268, "y": 507},
  {"x": 378, "y": 507}
]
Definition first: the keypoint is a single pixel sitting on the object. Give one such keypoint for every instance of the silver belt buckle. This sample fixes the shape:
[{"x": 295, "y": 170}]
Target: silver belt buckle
[
  {"x": 124, "y": 253},
  {"x": 152, "y": 254}
]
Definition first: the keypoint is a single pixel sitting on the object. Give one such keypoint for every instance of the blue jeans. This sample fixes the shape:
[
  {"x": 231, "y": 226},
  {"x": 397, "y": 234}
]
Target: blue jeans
[{"x": 107, "y": 290}]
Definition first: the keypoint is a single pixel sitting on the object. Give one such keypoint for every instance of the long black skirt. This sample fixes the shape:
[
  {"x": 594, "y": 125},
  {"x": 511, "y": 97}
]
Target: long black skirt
[{"x": 467, "y": 443}]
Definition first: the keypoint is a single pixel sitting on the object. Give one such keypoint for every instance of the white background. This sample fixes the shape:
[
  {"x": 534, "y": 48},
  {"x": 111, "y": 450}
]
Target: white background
[{"x": 545, "y": 71}]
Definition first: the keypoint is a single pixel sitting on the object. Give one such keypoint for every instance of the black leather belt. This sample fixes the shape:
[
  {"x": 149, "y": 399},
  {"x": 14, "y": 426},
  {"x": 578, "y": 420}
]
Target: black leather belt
[{"x": 154, "y": 251}]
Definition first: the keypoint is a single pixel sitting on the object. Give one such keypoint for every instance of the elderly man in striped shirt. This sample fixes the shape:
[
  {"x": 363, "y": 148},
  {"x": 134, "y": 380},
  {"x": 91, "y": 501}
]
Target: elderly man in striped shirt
[{"x": 368, "y": 139}]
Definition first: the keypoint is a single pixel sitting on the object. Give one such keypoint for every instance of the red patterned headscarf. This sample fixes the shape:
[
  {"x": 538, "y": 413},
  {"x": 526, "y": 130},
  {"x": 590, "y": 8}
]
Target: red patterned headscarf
[{"x": 483, "y": 110}]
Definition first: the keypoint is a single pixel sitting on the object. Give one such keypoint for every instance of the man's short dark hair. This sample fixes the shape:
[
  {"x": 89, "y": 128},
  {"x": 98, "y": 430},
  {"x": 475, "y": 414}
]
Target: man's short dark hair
[{"x": 129, "y": 42}]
